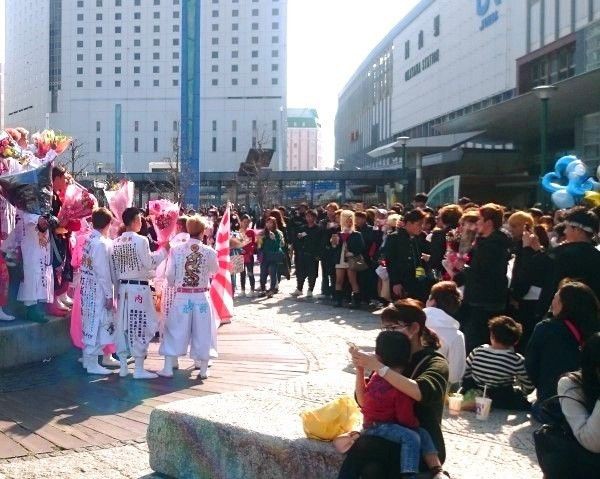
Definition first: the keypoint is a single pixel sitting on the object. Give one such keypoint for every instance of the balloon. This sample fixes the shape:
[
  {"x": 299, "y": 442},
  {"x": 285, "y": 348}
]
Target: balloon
[
  {"x": 592, "y": 198},
  {"x": 562, "y": 199}
]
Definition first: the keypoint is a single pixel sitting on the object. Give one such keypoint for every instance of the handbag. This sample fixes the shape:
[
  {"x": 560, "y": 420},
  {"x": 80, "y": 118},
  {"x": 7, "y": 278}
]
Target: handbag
[{"x": 357, "y": 263}]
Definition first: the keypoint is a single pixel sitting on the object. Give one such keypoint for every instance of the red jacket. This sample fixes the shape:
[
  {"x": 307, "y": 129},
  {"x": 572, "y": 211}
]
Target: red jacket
[
  {"x": 384, "y": 403},
  {"x": 250, "y": 249}
]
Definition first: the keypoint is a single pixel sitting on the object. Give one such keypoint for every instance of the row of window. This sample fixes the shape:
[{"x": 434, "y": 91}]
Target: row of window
[
  {"x": 236, "y": 40},
  {"x": 136, "y": 70},
  {"x": 234, "y": 81},
  {"x": 421, "y": 38},
  {"x": 136, "y": 29},
  {"x": 119, "y": 16},
  {"x": 136, "y": 145},
  {"x": 254, "y": 68},
  {"x": 136, "y": 43},
  {"x": 234, "y": 143},
  {"x": 118, "y": 83},
  {"x": 136, "y": 126},
  {"x": 119, "y": 3},
  {"x": 236, "y": 54},
  {"x": 136, "y": 56},
  {"x": 236, "y": 13}
]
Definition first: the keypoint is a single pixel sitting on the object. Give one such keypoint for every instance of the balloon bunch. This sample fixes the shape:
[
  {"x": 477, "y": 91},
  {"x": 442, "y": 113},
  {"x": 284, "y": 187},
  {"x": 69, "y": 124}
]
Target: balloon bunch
[{"x": 570, "y": 182}]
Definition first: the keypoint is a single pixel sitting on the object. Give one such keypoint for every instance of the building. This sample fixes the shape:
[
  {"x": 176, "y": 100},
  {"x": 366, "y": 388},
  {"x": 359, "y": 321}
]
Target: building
[
  {"x": 109, "y": 72},
  {"x": 458, "y": 81},
  {"x": 304, "y": 140}
]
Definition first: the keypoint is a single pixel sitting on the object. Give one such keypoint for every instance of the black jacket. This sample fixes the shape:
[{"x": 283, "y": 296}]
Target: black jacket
[
  {"x": 438, "y": 248},
  {"x": 531, "y": 268},
  {"x": 486, "y": 281},
  {"x": 403, "y": 256},
  {"x": 370, "y": 238},
  {"x": 326, "y": 232},
  {"x": 354, "y": 244},
  {"x": 310, "y": 244}
]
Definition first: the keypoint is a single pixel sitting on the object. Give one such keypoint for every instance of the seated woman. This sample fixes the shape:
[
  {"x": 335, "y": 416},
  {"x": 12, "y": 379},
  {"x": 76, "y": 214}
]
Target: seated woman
[
  {"x": 554, "y": 347},
  {"x": 425, "y": 380},
  {"x": 580, "y": 404}
]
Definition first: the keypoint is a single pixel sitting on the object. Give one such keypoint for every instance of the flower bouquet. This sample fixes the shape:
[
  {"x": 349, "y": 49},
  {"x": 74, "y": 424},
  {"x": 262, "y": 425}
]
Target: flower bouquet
[
  {"x": 164, "y": 215},
  {"x": 49, "y": 140},
  {"x": 119, "y": 199},
  {"x": 78, "y": 203}
]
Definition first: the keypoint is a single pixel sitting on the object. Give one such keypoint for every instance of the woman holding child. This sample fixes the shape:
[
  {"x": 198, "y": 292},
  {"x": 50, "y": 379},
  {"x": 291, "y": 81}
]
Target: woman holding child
[{"x": 424, "y": 380}]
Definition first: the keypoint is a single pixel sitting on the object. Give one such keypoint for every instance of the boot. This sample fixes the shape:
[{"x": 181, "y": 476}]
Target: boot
[
  {"x": 203, "y": 374},
  {"x": 338, "y": 298},
  {"x": 35, "y": 314},
  {"x": 356, "y": 300},
  {"x": 167, "y": 370},
  {"x": 54, "y": 310},
  {"x": 66, "y": 300},
  {"x": 109, "y": 361},
  {"x": 5, "y": 317},
  {"x": 139, "y": 371},
  {"x": 90, "y": 363},
  {"x": 124, "y": 370}
]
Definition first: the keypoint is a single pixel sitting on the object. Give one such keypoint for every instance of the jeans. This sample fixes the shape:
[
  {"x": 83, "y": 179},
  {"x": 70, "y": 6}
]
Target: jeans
[
  {"x": 413, "y": 443},
  {"x": 249, "y": 272},
  {"x": 269, "y": 268}
]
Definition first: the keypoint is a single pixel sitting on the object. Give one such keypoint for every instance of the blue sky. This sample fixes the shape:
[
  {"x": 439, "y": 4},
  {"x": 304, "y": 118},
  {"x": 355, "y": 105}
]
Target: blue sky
[{"x": 327, "y": 41}]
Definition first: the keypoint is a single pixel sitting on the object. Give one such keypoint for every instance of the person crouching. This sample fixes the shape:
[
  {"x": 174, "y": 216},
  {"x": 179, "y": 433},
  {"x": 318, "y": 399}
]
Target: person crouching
[{"x": 190, "y": 322}]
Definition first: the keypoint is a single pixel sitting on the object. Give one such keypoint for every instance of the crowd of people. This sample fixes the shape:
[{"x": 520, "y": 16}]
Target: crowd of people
[{"x": 477, "y": 297}]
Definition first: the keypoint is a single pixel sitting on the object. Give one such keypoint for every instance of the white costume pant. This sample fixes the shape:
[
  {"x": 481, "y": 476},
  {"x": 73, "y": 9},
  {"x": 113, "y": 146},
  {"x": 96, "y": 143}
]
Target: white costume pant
[
  {"x": 190, "y": 322},
  {"x": 136, "y": 320}
]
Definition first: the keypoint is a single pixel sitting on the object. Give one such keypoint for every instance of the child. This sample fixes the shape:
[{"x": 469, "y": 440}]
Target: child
[
  {"x": 389, "y": 413},
  {"x": 499, "y": 367}
]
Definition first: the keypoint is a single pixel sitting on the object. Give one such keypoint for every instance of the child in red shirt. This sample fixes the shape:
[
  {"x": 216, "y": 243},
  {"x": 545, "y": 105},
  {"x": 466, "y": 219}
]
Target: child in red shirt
[{"x": 389, "y": 413}]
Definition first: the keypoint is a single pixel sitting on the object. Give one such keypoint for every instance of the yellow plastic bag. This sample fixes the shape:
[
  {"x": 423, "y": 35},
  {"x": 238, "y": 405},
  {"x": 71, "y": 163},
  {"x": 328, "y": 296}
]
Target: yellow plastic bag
[{"x": 338, "y": 417}]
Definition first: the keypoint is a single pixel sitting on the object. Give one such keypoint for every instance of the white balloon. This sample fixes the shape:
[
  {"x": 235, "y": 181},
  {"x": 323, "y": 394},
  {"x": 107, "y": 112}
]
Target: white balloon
[{"x": 562, "y": 199}]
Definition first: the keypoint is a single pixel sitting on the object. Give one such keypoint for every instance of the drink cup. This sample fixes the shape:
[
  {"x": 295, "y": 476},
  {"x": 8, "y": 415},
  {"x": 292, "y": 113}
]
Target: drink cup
[
  {"x": 482, "y": 408},
  {"x": 455, "y": 404}
]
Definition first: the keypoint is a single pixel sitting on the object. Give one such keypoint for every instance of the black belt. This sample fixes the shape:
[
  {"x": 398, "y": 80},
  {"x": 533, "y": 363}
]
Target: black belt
[{"x": 134, "y": 281}]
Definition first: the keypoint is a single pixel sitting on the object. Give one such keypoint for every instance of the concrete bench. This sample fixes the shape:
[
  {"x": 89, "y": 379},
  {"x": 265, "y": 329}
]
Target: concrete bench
[
  {"x": 23, "y": 342},
  {"x": 246, "y": 435}
]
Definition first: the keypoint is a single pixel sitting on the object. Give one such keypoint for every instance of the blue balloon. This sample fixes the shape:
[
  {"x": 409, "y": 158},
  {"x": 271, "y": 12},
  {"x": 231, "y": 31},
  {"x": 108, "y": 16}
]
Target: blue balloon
[{"x": 562, "y": 199}]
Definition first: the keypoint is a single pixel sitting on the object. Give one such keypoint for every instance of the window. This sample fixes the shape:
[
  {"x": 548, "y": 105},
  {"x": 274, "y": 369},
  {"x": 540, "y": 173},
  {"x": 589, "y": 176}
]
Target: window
[
  {"x": 406, "y": 49},
  {"x": 136, "y": 3},
  {"x": 98, "y": 70},
  {"x": 175, "y": 42},
  {"x": 98, "y": 57},
  {"x": 234, "y": 125},
  {"x": 136, "y": 83},
  {"x": 79, "y": 84},
  {"x": 98, "y": 84},
  {"x": 255, "y": 12},
  {"x": 117, "y": 56},
  {"x": 175, "y": 55},
  {"x": 136, "y": 69},
  {"x": 234, "y": 81},
  {"x": 214, "y": 125},
  {"x": 99, "y": 17},
  {"x": 254, "y": 53},
  {"x": 234, "y": 54},
  {"x": 274, "y": 125},
  {"x": 155, "y": 145},
  {"x": 235, "y": 13},
  {"x": 136, "y": 144},
  {"x": 275, "y": 53},
  {"x": 136, "y": 126},
  {"x": 99, "y": 30},
  {"x": 234, "y": 68},
  {"x": 215, "y": 68},
  {"x": 255, "y": 81},
  {"x": 156, "y": 15},
  {"x": 79, "y": 30},
  {"x": 274, "y": 67},
  {"x": 156, "y": 56},
  {"x": 98, "y": 43},
  {"x": 117, "y": 70},
  {"x": 275, "y": 39},
  {"x": 214, "y": 55},
  {"x": 175, "y": 69},
  {"x": 254, "y": 67},
  {"x": 175, "y": 28},
  {"x": 235, "y": 26},
  {"x": 421, "y": 39},
  {"x": 117, "y": 3},
  {"x": 98, "y": 3},
  {"x": 136, "y": 56},
  {"x": 97, "y": 145},
  {"x": 274, "y": 81},
  {"x": 156, "y": 29},
  {"x": 235, "y": 40},
  {"x": 155, "y": 125},
  {"x": 436, "y": 26},
  {"x": 175, "y": 125},
  {"x": 80, "y": 3},
  {"x": 137, "y": 15},
  {"x": 275, "y": 12},
  {"x": 234, "y": 144},
  {"x": 214, "y": 41},
  {"x": 117, "y": 29},
  {"x": 156, "y": 42},
  {"x": 79, "y": 43},
  {"x": 117, "y": 83},
  {"x": 80, "y": 17},
  {"x": 215, "y": 14},
  {"x": 254, "y": 40},
  {"x": 176, "y": 82},
  {"x": 118, "y": 16},
  {"x": 214, "y": 144},
  {"x": 117, "y": 43},
  {"x": 137, "y": 29},
  {"x": 80, "y": 57},
  {"x": 156, "y": 2},
  {"x": 175, "y": 14},
  {"x": 215, "y": 82},
  {"x": 80, "y": 70},
  {"x": 215, "y": 27},
  {"x": 275, "y": 25},
  {"x": 97, "y": 126},
  {"x": 155, "y": 69},
  {"x": 255, "y": 26}
]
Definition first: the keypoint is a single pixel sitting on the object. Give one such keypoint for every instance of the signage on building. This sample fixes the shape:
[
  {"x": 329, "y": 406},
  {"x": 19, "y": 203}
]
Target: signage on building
[
  {"x": 422, "y": 65},
  {"x": 484, "y": 10}
]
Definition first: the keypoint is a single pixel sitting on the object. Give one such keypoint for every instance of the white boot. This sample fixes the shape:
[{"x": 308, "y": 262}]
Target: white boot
[
  {"x": 64, "y": 299},
  {"x": 203, "y": 374},
  {"x": 167, "y": 370},
  {"x": 124, "y": 370},
  {"x": 109, "y": 361},
  {"x": 91, "y": 365},
  {"x": 5, "y": 317},
  {"x": 139, "y": 371}
]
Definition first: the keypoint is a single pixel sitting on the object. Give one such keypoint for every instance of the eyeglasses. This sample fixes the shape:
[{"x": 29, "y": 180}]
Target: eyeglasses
[{"x": 395, "y": 327}]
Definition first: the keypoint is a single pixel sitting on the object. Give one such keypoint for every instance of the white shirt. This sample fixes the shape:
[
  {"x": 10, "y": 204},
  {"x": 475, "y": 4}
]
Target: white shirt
[
  {"x": 452, "y": 340},
  {"x": 132, "y": 257}
]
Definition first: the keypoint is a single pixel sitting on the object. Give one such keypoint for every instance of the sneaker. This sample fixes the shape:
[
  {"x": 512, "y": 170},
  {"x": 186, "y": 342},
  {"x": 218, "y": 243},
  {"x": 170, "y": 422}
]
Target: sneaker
[
  {"x": 243, "y": 294},
  {"x": 309, "y": 293},
  {"x": 296, "y": 293},
  {"x": 262, "y": 294}
]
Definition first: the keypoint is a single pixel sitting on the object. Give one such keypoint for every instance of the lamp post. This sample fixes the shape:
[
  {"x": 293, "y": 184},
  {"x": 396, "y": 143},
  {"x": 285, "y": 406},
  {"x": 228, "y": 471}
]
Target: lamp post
[
  {"x": 403, "y": 140},
  {"x": 544, "y": 93}
]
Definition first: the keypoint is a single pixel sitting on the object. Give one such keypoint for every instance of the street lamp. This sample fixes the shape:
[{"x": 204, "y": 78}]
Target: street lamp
[
  {"x": 403, "y": 140},
  {"x": 544, "y": 93},
  {"x": 340, "y": 163}
]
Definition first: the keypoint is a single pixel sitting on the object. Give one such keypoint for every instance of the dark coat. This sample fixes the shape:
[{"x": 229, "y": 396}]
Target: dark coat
[
  {"x": 403, "y": 256},
  {"x": 486, "y": 282},
  {"x": 311, "y": 243}
]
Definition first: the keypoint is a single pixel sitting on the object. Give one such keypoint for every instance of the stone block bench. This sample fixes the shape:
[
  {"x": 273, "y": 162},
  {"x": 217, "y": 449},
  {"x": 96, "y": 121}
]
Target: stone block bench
[{"x": 247, "y": 435}]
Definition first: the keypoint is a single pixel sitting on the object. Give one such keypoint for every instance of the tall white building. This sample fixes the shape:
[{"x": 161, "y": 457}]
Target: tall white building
[
  {"x": 108, "y": 72},
  {"x": 304, "y": 140}
]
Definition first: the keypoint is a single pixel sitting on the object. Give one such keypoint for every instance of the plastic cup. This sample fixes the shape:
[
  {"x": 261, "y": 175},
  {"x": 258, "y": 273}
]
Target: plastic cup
[
  {"x": 455, "y": 404},
  {"x": 482, "y": 408}
]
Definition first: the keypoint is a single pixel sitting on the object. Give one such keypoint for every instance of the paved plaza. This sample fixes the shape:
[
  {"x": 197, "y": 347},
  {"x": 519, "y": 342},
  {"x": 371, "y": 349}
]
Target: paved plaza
[{"x": 287, "y": 337}]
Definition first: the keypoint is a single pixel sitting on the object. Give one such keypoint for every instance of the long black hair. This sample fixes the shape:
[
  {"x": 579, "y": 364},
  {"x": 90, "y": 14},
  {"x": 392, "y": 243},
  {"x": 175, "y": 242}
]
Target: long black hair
[
  {"x": 589, "y": 375},
  {"x": 580, "y": 306}
]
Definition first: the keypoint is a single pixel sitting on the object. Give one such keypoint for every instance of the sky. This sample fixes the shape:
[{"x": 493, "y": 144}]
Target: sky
[{"x": 327, "y": 41}]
